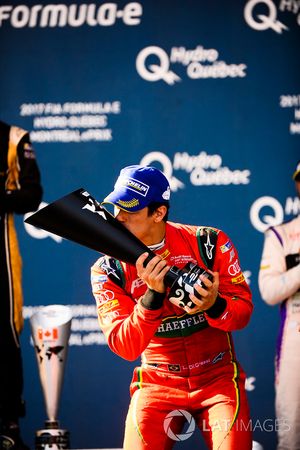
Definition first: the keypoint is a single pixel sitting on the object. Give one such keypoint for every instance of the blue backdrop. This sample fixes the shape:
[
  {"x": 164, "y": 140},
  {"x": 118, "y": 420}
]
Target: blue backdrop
[{"x": 207, "y": 91}]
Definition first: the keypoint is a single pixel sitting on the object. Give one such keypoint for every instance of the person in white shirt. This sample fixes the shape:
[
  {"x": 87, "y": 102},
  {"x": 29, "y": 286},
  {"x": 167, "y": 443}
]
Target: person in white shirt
[{"x": 279, "y": 284}]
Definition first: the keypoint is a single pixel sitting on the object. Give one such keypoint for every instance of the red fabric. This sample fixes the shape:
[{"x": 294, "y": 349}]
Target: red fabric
[
  {"x": 169, "y": 335},
  {"x": 219, "y": 410},
  {"x": 188, "y": 361}
]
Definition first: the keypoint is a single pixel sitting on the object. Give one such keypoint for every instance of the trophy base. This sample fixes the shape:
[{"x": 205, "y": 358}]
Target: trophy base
[{"x": 52, "y": 437}]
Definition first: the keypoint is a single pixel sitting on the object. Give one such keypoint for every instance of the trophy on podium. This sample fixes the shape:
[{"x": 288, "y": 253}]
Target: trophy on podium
[{"x": 50, "y": 329}]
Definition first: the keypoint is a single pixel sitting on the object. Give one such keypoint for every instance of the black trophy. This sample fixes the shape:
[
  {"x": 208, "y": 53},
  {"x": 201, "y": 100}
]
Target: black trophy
[{"x": 80, "y": 218}]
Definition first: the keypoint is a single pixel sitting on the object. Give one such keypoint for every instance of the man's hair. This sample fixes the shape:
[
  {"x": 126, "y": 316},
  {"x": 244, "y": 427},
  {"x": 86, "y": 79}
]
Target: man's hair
[{"x": 154, "y": 205}]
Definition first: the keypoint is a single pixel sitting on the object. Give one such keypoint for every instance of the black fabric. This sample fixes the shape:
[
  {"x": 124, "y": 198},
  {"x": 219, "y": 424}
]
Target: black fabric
[
  {"x": 11, "y": 378},
  {"x": 292, "y": 260},
  {"x": 208, "y": 242},
  {"x": 22, "y": 200},
  {"x": 152, "y": 299},
  {"x": 217, "y": 308},
  {"x": 113, "y": 269},
  {"x": 29, "y": 196}
]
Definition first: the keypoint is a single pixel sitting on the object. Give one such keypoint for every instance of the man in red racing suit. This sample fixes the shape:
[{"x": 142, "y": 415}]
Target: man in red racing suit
[{"x": 189, "y": 369}]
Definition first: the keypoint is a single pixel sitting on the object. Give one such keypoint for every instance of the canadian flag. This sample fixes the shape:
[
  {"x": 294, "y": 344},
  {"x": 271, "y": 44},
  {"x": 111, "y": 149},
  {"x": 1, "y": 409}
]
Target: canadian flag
[{"x": 47, "y": 334}]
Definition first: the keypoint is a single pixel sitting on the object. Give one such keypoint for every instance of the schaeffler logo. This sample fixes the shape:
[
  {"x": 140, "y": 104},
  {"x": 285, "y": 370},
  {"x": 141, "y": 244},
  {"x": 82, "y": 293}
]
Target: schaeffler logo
[
  {"x": 268, "y": 18},
  {"x": 153, "y": 64},
  {"x": 267, "y": 211},
  {"x": 203, "y": 169},
  {"x": 181, "y": 413}
]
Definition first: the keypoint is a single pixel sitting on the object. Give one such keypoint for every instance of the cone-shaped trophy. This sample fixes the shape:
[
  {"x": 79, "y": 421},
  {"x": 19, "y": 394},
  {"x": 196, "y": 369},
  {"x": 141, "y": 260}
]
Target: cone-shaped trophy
[
  {"x": 81, "y": 219},
  {"x": 50, "y": 329}
]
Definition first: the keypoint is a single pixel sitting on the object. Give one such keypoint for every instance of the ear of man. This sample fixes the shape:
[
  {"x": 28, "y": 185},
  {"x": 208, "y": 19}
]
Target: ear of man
[{"x": 159, "y": 213}]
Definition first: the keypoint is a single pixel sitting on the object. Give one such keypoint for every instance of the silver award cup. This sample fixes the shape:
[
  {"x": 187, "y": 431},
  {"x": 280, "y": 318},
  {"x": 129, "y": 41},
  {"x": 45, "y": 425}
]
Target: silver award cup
[{"x": 50, "y": 329}]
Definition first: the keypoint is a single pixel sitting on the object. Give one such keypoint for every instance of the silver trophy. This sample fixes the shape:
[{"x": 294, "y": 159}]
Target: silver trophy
[{"x": 50, "y": 329}]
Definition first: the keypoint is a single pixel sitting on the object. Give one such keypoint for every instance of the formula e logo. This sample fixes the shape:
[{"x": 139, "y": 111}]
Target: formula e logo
[{"x": 262, "y": 22}]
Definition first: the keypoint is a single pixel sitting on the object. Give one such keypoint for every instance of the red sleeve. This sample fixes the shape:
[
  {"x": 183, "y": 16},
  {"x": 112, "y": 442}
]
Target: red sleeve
[
  {"x": 233, "y": 288},
  {"x": 127, "y": 325}
]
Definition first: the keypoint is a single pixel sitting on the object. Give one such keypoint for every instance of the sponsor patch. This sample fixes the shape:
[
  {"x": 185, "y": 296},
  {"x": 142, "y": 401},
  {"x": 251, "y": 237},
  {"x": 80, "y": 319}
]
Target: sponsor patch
[
  {"x": 226, "y": 247},
  {"x": 234, "y": 268},
  {"x": 99, "y": 278},
  {"x": 219, "y": 357},
  {"x": 166, "y": 194},
  {"x": 134, "y": 185},
  {"x": 110, "y": 316},
  {"x": 237, "y": 280},
  {"x": 178, "y": 326},
  {"x": 106, "y": 294},
  {"x": 108, "y": 306},
  {"x": 174, "y": 367},
  {"x": 231, "y": 255}
]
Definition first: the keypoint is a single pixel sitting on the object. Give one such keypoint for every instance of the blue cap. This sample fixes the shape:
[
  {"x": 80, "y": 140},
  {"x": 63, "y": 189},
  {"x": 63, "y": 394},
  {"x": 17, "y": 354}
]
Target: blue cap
[{"x": 137, "y": 186}]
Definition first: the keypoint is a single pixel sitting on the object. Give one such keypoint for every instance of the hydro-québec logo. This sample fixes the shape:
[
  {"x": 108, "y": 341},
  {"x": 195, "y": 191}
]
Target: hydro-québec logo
[
  {"x": 262, "y": 15},
  {"x": 73, "y": 15},
  {"x": 154, "y": 63}
]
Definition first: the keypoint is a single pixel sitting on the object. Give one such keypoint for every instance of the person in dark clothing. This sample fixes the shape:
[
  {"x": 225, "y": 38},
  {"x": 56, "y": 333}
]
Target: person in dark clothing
[{"x": 20, "y": 192}]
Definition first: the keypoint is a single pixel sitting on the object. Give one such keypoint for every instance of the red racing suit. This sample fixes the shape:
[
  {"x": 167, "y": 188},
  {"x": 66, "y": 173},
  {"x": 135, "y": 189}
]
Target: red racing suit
[{"x": 188, "y": 361}]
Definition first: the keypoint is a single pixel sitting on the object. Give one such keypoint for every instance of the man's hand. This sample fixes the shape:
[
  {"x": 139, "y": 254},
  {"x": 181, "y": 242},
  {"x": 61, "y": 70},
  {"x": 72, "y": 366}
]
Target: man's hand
[
  {"x": 208, "y": 295},
  {"x": 154, "y": 272}
]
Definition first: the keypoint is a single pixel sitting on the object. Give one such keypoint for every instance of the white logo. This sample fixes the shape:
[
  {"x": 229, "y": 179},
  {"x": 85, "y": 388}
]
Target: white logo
[
  {"x": 108, "y": 269},
  {"x": 234, "y": 268},
  {"x": 93, "y": 206},
  {"x": 257, "y": 446},
  {"x": 200, "y": 63},
  {"x": 105, "y": 295},
  {"x": 249, "y": 383},
  {"x": 133, "y": 185},
  {"x": 38, "y": 233},
  {"x": 179, "y": 413},
  {"x": 158, "y": 71},
  {"x": 292, "y": 207},
  {"x": 62, "y": 15},
  {"x": 268, "y": 220},
  {"x": 209, "y": 248},
  {"x": 247, "y": 274},
  {"x": 265, "y": 21},
  {"x": 204, "y": 169}
]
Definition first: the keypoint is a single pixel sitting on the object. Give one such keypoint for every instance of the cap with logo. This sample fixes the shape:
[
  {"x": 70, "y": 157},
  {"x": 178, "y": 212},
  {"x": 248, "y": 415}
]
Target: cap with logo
[
  {"x": 296, "y": 174},
  {"x": 138, "y": 186}
]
